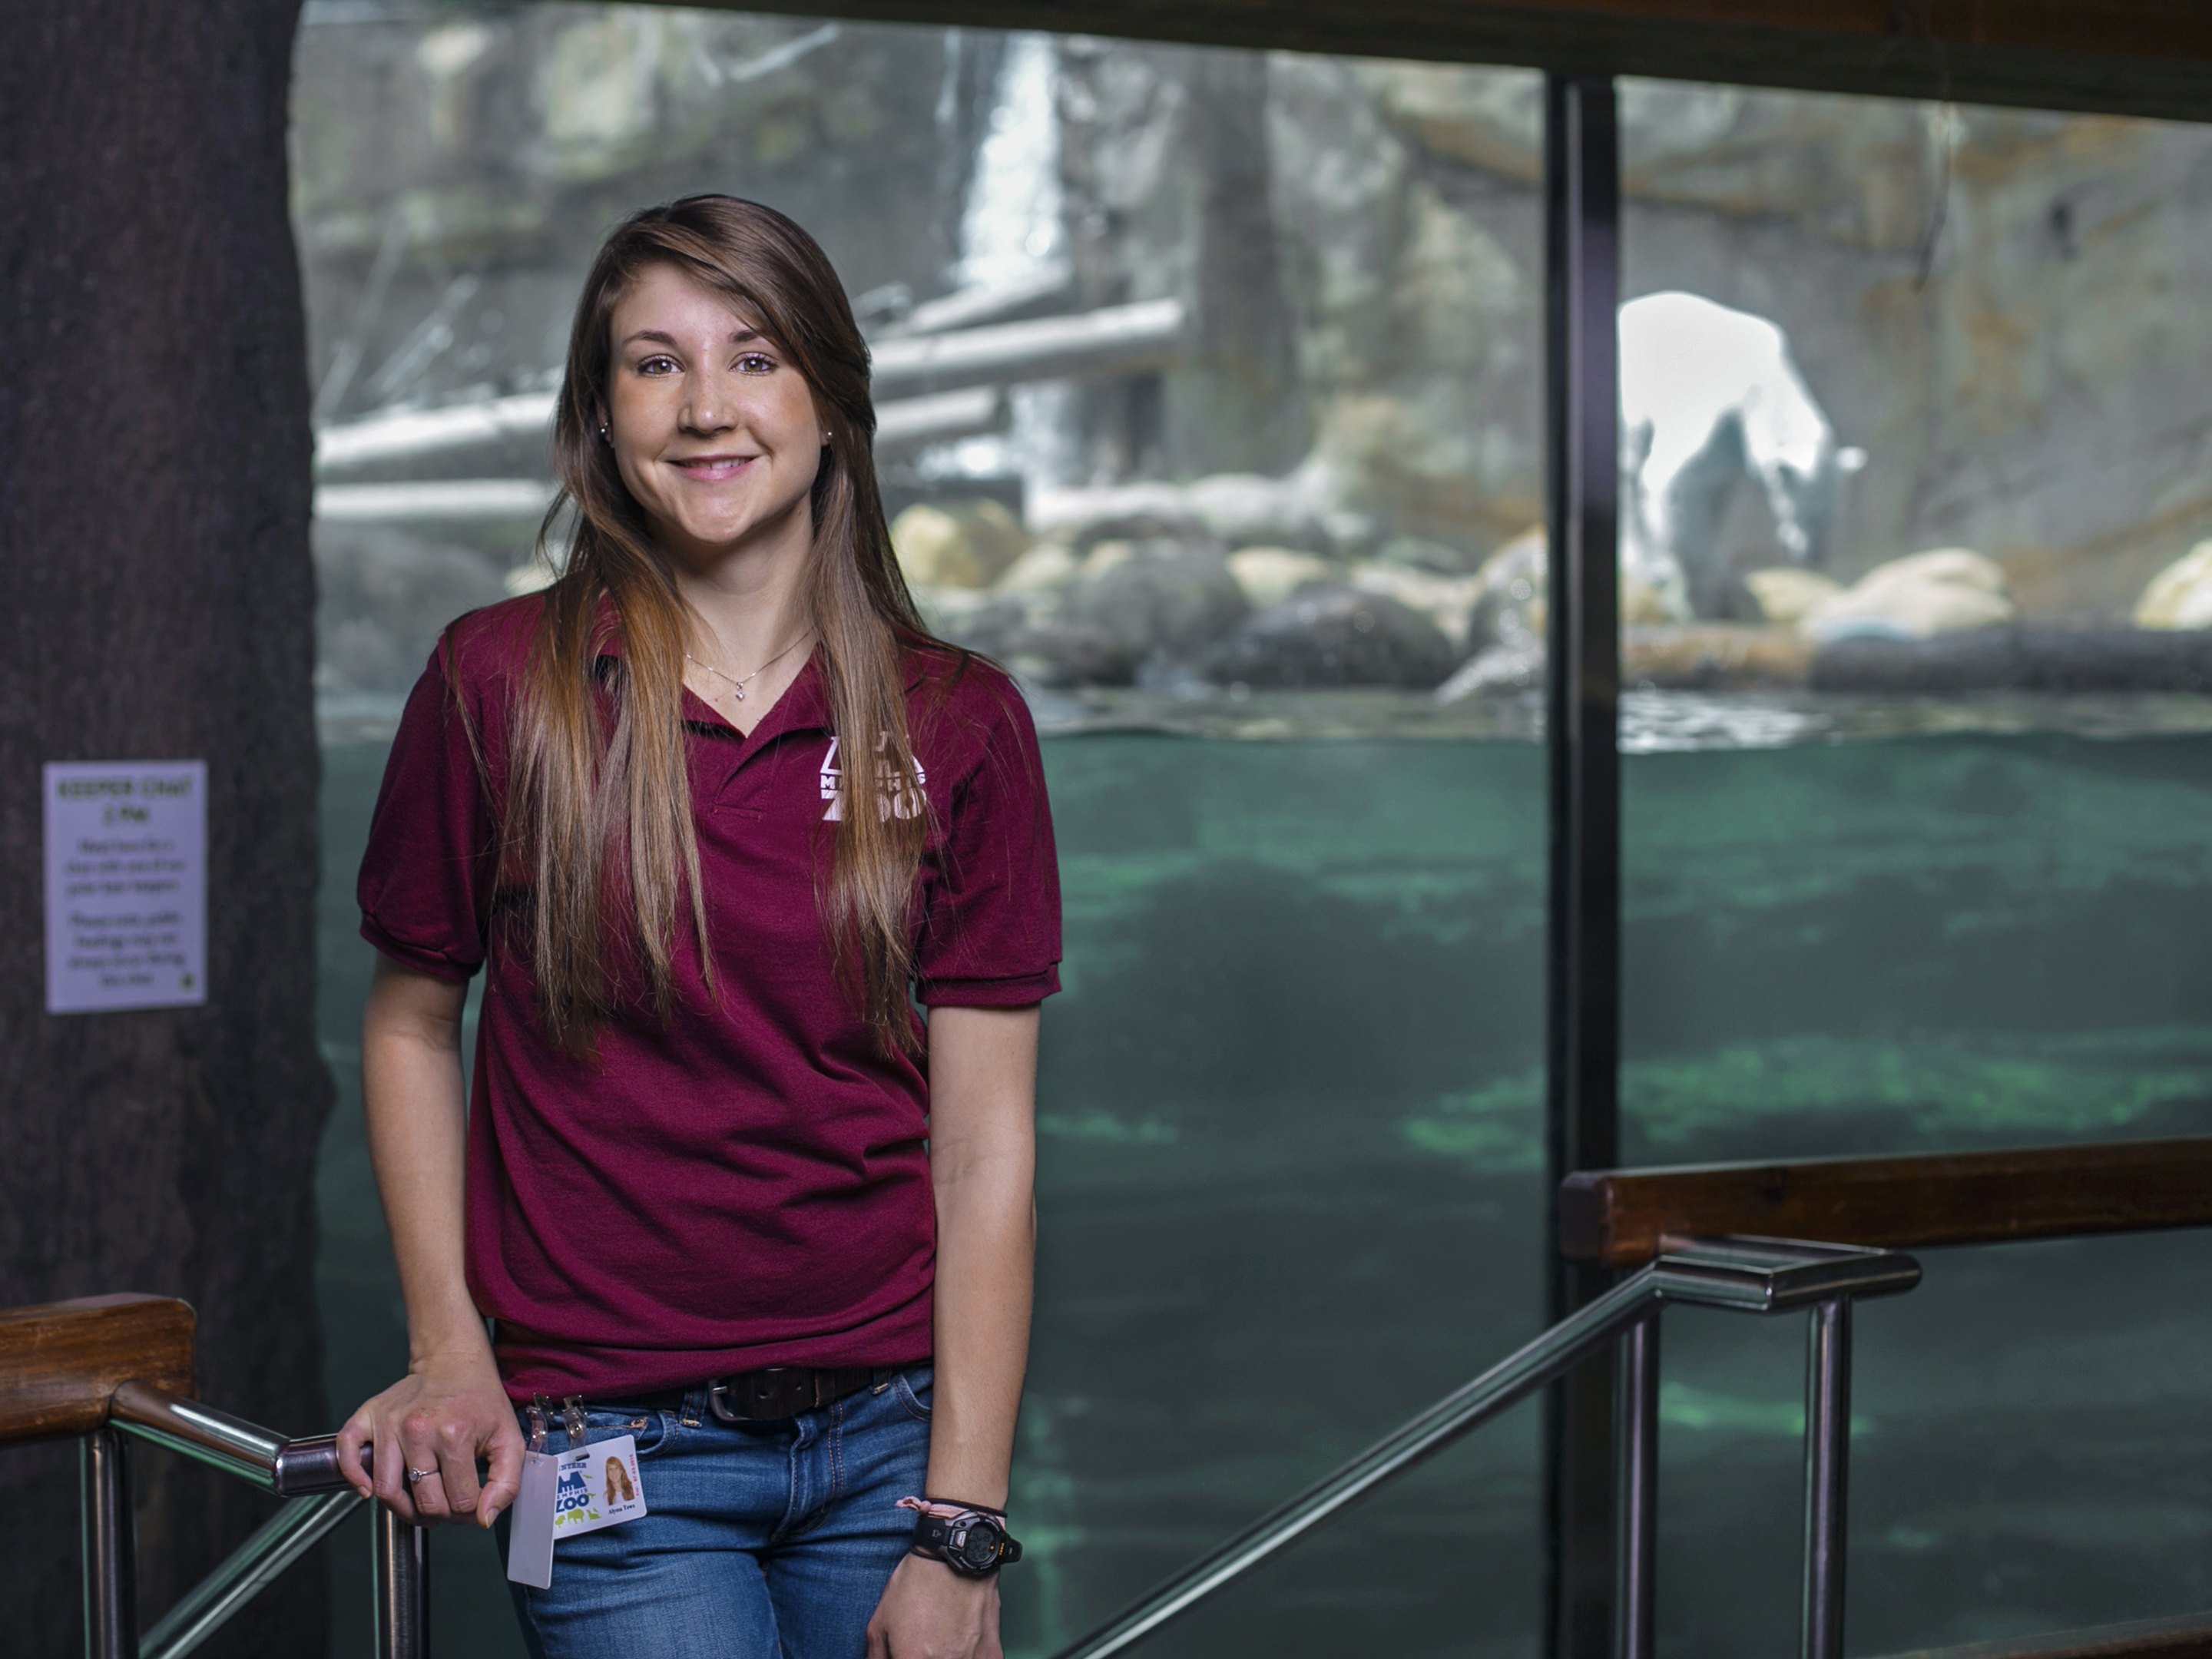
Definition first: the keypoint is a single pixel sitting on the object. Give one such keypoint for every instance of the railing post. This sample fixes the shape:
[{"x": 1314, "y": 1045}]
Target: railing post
[
  {"x": 1827, "y": 1464},
  {"x": 1639, "y": 1486},
  {"x": 111, "y": 1553},
  {"x": 402, "y": 1587}
]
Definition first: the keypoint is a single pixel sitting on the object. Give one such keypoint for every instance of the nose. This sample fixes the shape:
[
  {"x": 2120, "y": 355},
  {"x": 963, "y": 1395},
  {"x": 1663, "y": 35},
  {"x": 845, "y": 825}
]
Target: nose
[{"x": 712, "y": 404}]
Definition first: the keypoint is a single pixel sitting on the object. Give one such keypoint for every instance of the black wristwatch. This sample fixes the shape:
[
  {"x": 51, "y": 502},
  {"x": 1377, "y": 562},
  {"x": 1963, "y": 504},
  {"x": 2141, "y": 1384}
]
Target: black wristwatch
[{"x": 970, "y": 1543}]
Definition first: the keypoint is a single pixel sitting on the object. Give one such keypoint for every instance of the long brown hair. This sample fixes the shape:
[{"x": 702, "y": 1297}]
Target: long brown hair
[{"x": 599, "y": 802}]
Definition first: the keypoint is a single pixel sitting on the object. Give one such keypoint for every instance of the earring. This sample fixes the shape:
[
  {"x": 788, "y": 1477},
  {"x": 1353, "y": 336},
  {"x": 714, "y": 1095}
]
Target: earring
[{"x": 603, "y": 432}]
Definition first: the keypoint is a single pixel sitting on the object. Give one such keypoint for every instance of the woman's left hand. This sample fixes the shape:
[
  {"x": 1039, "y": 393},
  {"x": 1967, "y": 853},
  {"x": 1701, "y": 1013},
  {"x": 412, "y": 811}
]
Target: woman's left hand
[{"x": 931, "y": 1612}]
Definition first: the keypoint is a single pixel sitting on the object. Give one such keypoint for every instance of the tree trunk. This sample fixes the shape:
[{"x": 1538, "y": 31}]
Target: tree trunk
[{"x": 154, "y": 501}]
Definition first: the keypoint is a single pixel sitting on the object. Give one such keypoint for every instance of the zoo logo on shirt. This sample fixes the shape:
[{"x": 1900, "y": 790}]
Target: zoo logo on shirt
[{"x": 892, "y": 800}]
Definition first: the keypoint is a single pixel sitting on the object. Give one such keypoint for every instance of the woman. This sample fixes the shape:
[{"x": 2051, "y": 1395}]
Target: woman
[{"x": 714, "y": 811}]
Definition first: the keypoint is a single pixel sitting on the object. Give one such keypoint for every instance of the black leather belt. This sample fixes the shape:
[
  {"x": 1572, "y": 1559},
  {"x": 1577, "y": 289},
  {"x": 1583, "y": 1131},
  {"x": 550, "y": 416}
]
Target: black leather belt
[{"x": 773, "y": 1394}]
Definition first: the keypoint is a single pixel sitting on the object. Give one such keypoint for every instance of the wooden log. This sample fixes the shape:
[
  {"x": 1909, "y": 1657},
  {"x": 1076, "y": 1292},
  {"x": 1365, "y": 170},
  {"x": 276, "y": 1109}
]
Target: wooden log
[
  {"x": 2019, "y": 657},
  {"x": 59, "y": 1361},
  {"x": 406, "y": 435},
  {"x": 2186, "y": 1638},
  {"x": 1113, "y": 340},
  {"x": 1619, "y": 1217}
]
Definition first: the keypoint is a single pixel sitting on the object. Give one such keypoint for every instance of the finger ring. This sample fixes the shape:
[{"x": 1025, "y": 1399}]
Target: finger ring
[{"x": 414, "y": 1475}]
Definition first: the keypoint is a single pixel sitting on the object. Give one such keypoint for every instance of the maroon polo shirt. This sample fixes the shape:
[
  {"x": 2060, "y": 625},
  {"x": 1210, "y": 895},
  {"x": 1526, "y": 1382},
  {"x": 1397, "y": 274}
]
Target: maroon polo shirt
[{"x": 747, "y": 1185}]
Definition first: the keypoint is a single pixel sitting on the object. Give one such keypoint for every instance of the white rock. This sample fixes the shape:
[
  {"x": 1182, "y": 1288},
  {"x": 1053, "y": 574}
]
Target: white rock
[
  {"x": 1045, "y": 569},
  {"x": 2179, "y": 595},
  {"x": 1787, "y": 594},
  {"x": 1269, "y": 575},
  {"x": 963, "y": 546},
  {"x": 1913, "y": 598}
]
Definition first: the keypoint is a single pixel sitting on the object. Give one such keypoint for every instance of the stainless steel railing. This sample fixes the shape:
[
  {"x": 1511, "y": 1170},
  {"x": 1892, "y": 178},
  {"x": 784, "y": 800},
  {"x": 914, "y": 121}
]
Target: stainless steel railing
[
  {"x": 304, "y": 1471},
  {"x": 1747, "y": 1275}
]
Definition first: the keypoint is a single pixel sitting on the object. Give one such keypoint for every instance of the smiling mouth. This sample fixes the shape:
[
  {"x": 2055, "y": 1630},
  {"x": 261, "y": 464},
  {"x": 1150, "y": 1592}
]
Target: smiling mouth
[{"x": 710, "y": 468}]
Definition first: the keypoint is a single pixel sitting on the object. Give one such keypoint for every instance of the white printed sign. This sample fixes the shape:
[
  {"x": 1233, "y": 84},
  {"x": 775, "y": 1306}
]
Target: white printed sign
[{"x": 126, "y": 885}]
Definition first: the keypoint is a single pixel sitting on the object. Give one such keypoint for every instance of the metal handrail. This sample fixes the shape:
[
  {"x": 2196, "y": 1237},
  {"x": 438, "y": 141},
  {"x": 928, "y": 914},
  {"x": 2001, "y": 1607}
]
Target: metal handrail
[
  {"x": 290, "y": 1469},
  {"x": 1763, "y": 1276},
  {"x": 305, "y": 1471}
]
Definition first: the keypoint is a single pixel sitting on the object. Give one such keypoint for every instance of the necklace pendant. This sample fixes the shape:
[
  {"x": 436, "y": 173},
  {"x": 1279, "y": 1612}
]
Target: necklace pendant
[{"x": 737, "y": 690}]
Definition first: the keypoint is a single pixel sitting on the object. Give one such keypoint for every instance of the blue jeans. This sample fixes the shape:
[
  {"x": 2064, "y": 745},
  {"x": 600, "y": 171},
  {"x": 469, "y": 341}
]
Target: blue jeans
[{"x": 769, "y": 1540}]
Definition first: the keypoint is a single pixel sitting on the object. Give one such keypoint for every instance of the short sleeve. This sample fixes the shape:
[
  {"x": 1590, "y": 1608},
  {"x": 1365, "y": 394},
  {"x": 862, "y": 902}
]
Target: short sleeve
[
  {"x": 990, "y": 933},
  {"x": 425, "y": 879}
]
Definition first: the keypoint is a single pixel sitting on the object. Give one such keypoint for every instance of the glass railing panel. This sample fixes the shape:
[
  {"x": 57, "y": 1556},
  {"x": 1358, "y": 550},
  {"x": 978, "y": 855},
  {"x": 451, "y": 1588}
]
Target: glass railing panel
[{"x": 1917, "y": 770}]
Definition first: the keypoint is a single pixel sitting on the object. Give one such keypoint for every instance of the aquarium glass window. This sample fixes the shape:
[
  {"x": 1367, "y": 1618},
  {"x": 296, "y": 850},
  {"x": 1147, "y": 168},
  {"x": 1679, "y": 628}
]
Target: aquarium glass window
[
  {"x": 1209, "y": 403},
  {"x": 1916, "y": 604}
]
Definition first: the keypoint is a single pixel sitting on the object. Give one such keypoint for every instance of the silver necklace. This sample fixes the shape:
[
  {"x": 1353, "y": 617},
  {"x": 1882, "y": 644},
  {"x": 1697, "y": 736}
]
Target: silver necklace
[{"x": 738, "y": 684}]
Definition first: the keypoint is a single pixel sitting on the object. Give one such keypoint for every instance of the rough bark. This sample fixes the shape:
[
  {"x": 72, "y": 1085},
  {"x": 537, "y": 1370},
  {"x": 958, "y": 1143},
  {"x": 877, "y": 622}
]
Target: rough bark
[{"x": 154, "y": 502}]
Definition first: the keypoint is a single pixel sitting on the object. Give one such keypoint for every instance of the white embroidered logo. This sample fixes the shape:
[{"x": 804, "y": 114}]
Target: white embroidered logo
[{"x": 891, "y": 799}]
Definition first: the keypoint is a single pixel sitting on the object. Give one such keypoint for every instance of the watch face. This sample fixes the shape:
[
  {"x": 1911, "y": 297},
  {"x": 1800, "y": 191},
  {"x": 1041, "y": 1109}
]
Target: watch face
[{"x": 979, "y": 1547}]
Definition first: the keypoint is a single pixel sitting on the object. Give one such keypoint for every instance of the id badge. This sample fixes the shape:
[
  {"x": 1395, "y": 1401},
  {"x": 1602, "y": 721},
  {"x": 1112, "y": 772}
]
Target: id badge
[
  {"x": 595, "y": 1486},
  {"x": 567, "y": 1495}
]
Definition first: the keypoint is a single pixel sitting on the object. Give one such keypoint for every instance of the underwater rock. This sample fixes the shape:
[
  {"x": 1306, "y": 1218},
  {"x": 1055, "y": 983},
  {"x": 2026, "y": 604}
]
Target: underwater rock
[
  {"x": 960, "y": 545},
  {"x": 1269, "y": 575},
  {"x": 1787, "y": 595},
  {"x": 2179, "y": 595},
  {"x": 1917, "y": 596},
  {"x": 1330, "y": 633}
]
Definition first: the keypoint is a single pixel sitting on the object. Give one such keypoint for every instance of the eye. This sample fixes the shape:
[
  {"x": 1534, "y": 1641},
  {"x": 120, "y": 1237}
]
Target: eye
[
  {"x": 657, "y": 366},
  {"x": 755, "y": 362}
]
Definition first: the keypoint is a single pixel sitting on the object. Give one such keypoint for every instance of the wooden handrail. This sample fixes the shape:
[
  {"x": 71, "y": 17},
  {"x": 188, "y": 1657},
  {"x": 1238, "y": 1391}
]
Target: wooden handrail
[
  {"x": 59, "y": 1361},
  {"x": 1618, "y": 1216},
  {"x": 2186, "y": 1638}
]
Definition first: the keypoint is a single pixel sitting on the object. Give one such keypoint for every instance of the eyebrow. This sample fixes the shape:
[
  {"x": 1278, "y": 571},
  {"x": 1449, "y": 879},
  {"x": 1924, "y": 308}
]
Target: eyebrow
[{"x": 659, "y": 338}]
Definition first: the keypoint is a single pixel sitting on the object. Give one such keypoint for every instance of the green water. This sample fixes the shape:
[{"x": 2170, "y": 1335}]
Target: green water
[{"x": 1291, "y": 1185}]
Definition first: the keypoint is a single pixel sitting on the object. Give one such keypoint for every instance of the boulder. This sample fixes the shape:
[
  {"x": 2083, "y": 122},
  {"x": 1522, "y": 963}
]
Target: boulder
[
  {"x": 1045, "y": 569},
  {"x": 1447, "y": 601},
  {"x": 1787, "y": 595},
  {"x": 2179, "y": 595},
  {"x": 1915, "y": 598},
  {"x": 1330, "y": 633},
  {"x": 1269, "y": 575},
  {"x": 958, "y": 545},
  {"x": 1135, "y": 602}
]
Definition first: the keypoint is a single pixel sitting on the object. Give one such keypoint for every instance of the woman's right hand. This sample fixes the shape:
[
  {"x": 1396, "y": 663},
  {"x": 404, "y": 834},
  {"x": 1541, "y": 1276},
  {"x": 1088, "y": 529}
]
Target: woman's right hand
[{"x": 440, "y": 1417}]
